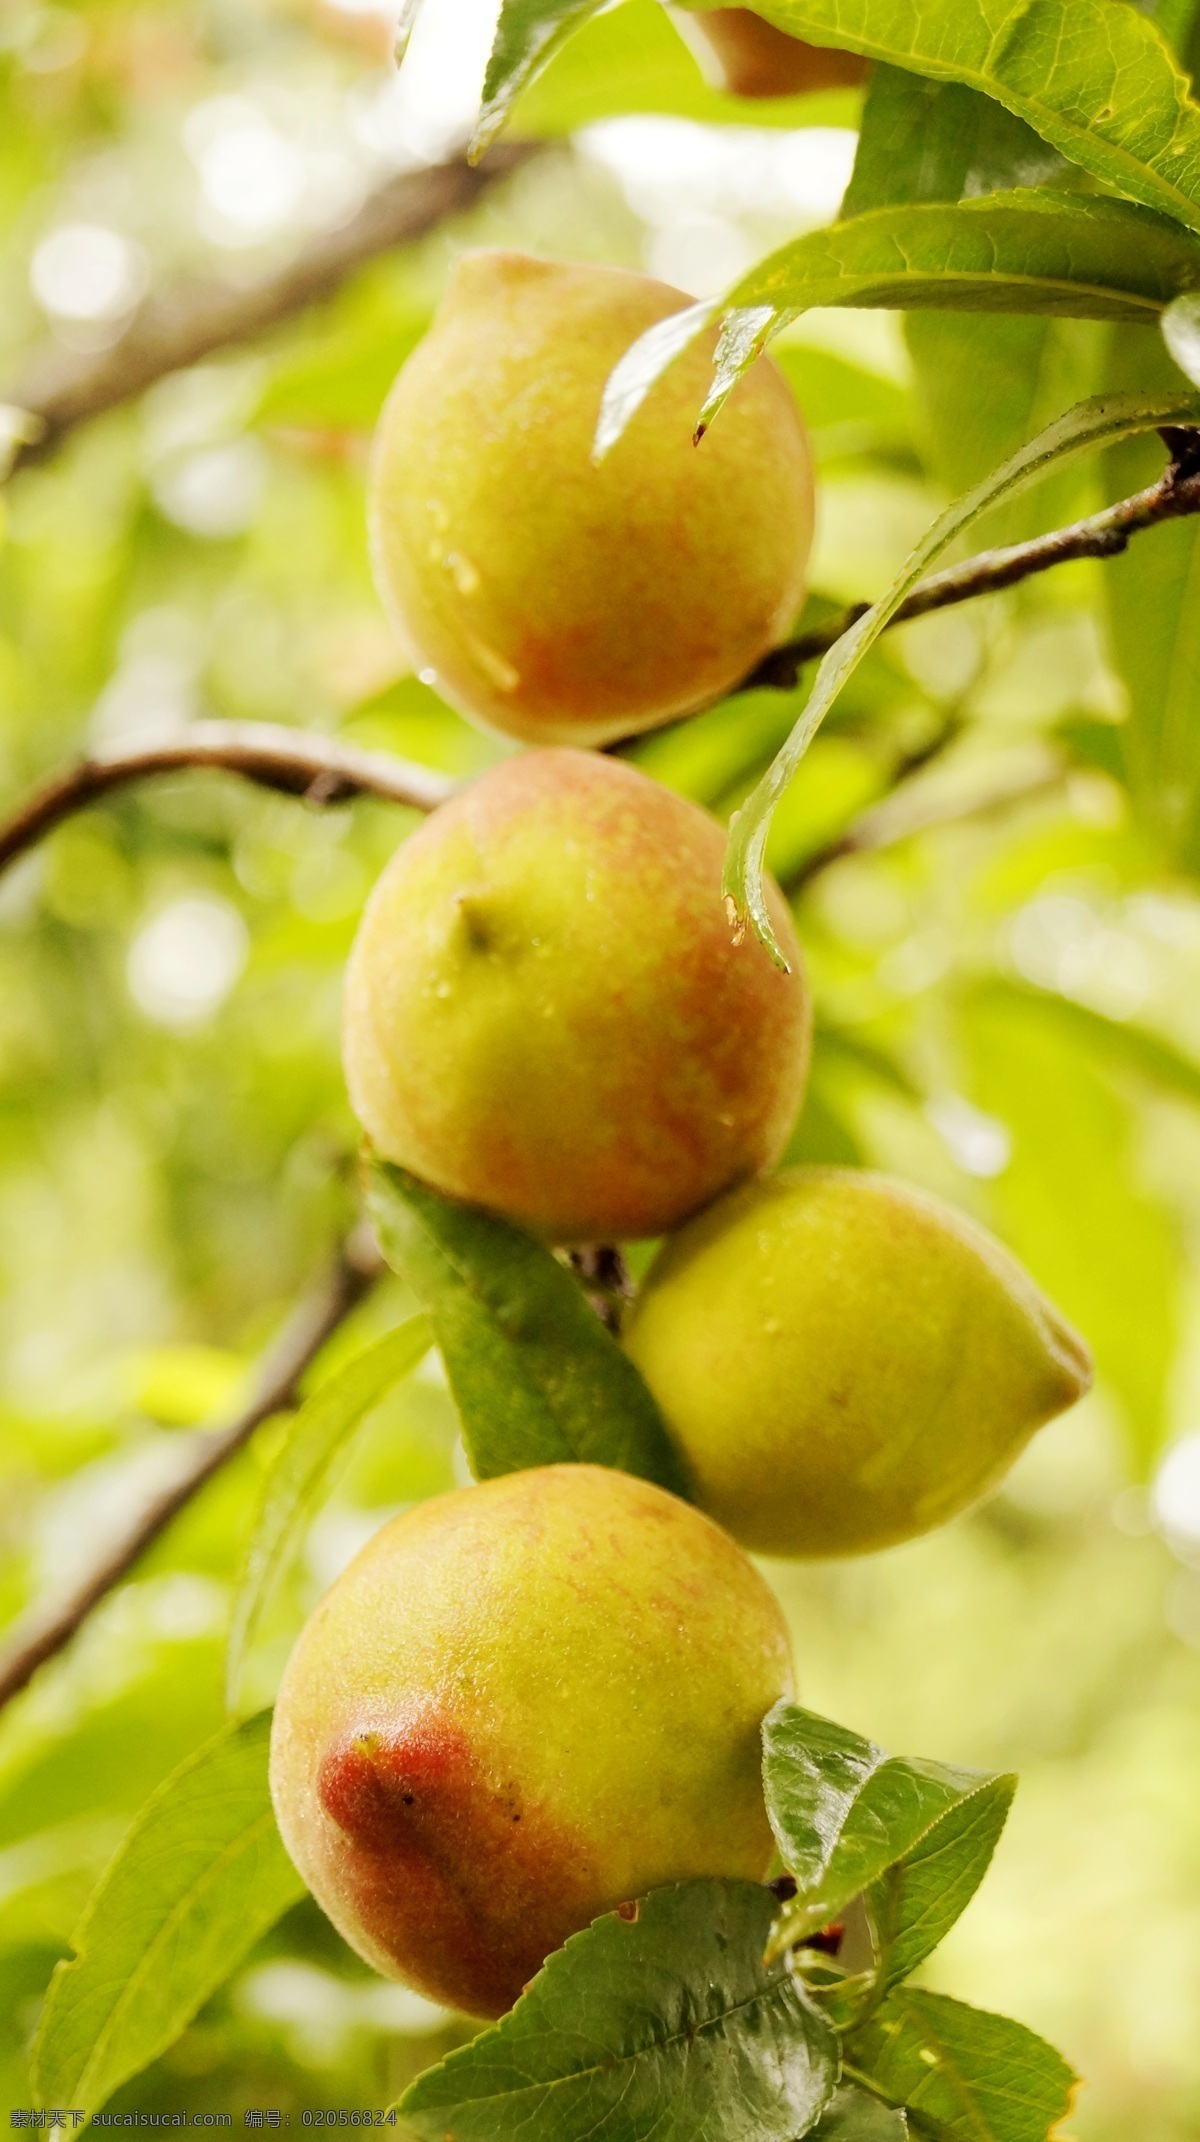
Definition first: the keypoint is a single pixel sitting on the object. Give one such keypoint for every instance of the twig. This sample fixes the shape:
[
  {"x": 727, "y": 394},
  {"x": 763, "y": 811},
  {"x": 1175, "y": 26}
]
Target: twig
[
  {"x": 1101, "y": 535},
  {"x": 300, "y": 764},
  {"x": 900, "y": 814},
  {"x": 289, "y": 760},
  {"x": 177, "y": 330},
  {"x": 45, "y": 1632},
  {"x": 902, "y": 774}
]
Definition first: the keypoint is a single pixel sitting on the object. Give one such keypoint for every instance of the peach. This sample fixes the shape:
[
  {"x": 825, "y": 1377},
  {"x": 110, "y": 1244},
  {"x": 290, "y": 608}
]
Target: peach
[
  {"x": 748, "y": 57},
  {"x": 546, "y": 1012},
  {"x": 845, "y": 1362},
  {"x": 551, "y": 599},
  {"x": 522, "y": 1705}
]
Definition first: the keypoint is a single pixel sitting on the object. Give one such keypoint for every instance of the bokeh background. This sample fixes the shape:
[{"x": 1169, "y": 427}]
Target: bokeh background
[{"x": 1006, "y": 971}]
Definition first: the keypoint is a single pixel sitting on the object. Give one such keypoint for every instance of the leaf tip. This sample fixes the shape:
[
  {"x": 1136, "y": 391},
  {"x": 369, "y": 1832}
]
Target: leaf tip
[
  {"x": 641, "y": 367},
  {"x": 760, "y": 923},
  {"x": 405, "y": 25},
  {"x": 487, "y": 126}
]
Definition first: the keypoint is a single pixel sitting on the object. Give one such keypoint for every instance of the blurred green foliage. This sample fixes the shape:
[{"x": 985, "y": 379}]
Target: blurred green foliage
[{"x": 1007, "y": 1000}]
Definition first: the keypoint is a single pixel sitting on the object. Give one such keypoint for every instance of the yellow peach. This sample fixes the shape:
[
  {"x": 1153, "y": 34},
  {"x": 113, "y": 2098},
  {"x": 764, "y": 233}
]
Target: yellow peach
[
  {"x": 845, "y": 1362},
  {"x": 549, "y": 598}
]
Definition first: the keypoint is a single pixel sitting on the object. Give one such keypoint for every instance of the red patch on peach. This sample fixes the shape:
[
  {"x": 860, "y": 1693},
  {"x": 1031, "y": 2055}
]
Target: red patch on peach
[{"x": 464, "y": 1885}]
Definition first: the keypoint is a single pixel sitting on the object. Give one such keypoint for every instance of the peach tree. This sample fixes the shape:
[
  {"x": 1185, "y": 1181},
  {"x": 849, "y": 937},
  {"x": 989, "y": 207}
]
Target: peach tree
[{"x": 577, "y": 1020}]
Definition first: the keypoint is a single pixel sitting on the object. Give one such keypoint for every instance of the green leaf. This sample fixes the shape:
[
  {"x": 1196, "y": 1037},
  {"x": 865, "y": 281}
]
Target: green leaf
[
  {"x": 536, "y": 1377},
  {"x": 659, "y": 2022},
  {"x": 643, "y": 363},
  {"x": 842, "y": 402},
  {"x": 850, "y": 1050},
  {"x": 300, "y": 1475},
  {"x": 1043, "y": 251},
  {"x": 938, "y": 141},
  {"x": 982, "y": 385},
  {"x": 1153, "y": 596},
  {"x": 1093, "y": 423},
  {"x": 962, "y": 2072},
  {"x": 1179, "y": 21},
  {"x": 528, "y": 34},
  {"x": 340, "y": 381},
  {"x": 715, "y": 750},
  {"x": 855, "y": 2117},
  {"x": 405, "y": 25},
  {"x": 914, "y": 1905},
  {"x": 632, "y": 59},
  {"x": 201, "y": 1875},
  {"x": 1092, "y": 77},
  {"x": 1126, "y": 1048},
  {"x": 1073, "y": 1182},
  {"x": 844, "y": 1812}
]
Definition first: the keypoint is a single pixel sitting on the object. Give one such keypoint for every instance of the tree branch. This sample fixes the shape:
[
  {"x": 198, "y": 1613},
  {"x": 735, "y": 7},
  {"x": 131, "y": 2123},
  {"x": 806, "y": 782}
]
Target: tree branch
[
  {"x": 45, "y": 1631},
  {"x": 900, "y": 814},
  {"x": 1101, "y": 535},
  {"x": 301, "y": 764},
  {"x": 290, "y": 760},
  {"x": 178, "y": 330}
]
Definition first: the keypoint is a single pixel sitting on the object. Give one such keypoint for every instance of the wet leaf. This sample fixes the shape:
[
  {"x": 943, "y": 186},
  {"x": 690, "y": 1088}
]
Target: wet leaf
[{"x": 663, "y": 2024}]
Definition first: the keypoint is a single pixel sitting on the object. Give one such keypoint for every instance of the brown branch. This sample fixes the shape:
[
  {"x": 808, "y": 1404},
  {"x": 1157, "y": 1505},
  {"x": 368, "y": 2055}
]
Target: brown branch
[
  {"x": 324, "y": 772},
  {"x": 300, "y": 764},
  {"x": 1101, "y": 535},
  {"x": 290, "y": 760},
  {"x": 181, "y": 328},
  {"x": 45, "y": 1631}
]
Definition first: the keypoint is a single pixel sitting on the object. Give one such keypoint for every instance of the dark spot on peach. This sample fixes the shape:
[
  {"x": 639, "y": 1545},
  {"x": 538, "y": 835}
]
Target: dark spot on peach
[
  {"x": 478, "y": 928},
  {"x": 368, "y": 1783}
]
